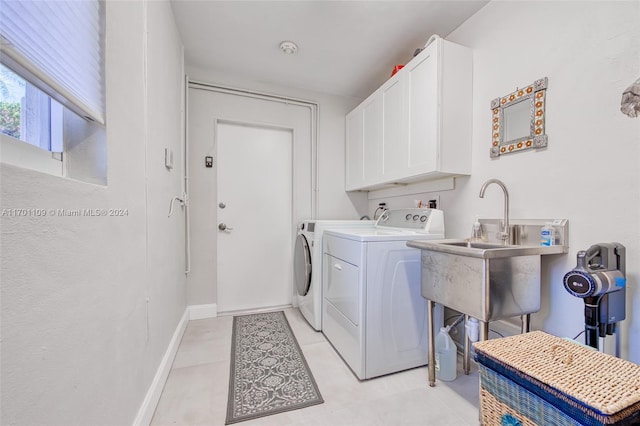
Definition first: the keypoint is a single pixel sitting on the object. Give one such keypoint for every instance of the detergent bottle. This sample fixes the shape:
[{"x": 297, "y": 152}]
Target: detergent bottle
[{"x": 446, "y": 356}]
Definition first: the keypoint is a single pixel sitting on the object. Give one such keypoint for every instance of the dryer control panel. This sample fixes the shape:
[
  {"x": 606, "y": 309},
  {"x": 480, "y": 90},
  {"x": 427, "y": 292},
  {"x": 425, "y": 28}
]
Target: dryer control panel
[{"x": 428, "y": 221}]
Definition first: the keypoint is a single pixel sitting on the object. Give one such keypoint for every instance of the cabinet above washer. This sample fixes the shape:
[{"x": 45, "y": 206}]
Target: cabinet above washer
[{"x": 417, "y": 126}]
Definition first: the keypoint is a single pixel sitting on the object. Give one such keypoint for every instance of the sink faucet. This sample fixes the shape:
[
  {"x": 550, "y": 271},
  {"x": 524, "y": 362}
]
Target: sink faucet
[{"x": 504, "y": 234}]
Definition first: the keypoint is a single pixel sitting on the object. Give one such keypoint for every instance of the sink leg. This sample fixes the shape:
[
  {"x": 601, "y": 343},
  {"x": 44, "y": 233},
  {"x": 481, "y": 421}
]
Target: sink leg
[
  {"x": 465, "y": 359},
  {"x": 432, "y": 358},
  {"x": 484, "y": 330},
  {"x": 526, "y": 323}
]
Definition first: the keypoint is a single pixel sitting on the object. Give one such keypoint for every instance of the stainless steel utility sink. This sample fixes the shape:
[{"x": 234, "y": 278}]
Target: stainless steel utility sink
[
  {"x": 489, "y": 281},
  {"x": 483, "y": 280},
  {"x": 486, "y": 280}
]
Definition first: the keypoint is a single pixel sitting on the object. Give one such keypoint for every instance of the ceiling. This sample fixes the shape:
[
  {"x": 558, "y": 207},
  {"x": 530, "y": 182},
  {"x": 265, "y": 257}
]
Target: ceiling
[{"x": 345, "y": 48}]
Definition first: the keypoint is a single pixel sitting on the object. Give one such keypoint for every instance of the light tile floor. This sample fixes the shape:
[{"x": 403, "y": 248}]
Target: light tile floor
[{"x": 197, "y": 387}]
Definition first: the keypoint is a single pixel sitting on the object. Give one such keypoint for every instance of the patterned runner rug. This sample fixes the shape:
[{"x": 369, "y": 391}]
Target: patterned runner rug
[{"x": 269, "y": 374}]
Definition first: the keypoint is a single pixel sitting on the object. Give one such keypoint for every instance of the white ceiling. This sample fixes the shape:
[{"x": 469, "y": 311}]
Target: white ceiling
[{"x": 345, "y": 48}]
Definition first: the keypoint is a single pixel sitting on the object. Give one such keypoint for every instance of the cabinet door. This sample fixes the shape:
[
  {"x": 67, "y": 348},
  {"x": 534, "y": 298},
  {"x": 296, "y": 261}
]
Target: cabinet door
[
  {"x": 354, "y": 177},
  {"x": 364, "y": 144},
  {"x": 372, "y": 140},
  {"x": 394, "y": 129},
  {"x": 424, "y": 115}
]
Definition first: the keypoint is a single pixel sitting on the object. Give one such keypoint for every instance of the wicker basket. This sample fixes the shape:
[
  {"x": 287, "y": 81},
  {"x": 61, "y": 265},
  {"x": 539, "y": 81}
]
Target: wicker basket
[{"x": 539, "y": 379}]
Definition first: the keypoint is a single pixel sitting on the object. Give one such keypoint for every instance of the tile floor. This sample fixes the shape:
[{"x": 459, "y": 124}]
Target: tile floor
[{"x": 196, "y": 390}]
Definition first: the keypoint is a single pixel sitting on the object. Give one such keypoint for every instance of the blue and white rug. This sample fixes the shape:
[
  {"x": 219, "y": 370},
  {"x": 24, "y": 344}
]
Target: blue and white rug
[{"x": 269, "y": 374}]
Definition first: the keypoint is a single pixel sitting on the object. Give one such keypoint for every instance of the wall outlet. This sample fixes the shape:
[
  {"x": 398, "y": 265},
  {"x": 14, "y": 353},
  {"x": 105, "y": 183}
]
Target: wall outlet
[{"x": 434, "y": 202}]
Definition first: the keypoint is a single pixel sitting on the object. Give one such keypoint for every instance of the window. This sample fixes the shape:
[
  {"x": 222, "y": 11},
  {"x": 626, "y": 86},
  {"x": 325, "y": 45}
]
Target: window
[
  {"x": 28, "y": 114},
  {"x": 58, "y": 45},
  {"x": 52, "y": 86}
]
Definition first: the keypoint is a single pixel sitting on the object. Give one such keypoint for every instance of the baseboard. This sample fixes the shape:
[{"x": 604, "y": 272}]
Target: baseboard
[
  {"x": 145, "y": 413},
  {"x": 254, "y": 311},
  {"x": 197, "y": 312}
]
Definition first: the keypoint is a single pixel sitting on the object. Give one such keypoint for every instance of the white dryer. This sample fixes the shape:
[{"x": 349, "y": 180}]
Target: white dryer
[
  {"x": 307, "y": 264},
  {"x": 373, "y": 312}
]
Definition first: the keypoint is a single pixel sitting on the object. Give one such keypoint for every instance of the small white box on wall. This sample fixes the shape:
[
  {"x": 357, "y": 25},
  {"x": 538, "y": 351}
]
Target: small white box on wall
[{"x": 168, "y": 158}]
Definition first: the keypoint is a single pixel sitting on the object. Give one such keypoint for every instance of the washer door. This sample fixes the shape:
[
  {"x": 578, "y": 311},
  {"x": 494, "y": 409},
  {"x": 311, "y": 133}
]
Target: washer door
[{"x": 302, "y": 265}]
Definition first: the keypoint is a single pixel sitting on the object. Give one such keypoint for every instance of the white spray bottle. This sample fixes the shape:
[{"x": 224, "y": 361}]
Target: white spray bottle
[{"x": 476, "y": 230}]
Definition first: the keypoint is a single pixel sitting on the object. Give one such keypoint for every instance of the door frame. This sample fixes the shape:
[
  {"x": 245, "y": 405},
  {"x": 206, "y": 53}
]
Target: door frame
[{"x": 206, "y": 298}]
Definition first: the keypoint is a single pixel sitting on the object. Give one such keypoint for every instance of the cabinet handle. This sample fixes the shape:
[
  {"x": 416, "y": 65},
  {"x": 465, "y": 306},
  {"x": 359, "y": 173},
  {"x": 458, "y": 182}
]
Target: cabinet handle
[{"x": 338, "y": 267}]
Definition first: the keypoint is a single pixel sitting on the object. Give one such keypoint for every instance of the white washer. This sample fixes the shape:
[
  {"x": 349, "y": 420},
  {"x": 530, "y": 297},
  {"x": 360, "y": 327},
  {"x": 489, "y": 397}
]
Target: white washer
[
  {"x": 307, "y": 264},
  {"x": 373, "y": 312}
]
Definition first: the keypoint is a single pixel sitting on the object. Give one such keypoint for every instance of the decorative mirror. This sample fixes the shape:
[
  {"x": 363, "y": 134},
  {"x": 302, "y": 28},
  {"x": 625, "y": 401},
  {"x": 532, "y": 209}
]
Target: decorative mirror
[{"x": 517, "y": 121}]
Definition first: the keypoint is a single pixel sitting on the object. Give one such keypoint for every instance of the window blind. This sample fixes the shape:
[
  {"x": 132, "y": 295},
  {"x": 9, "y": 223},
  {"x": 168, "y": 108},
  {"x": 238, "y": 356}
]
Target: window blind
[{"x": 59, "y": 47}]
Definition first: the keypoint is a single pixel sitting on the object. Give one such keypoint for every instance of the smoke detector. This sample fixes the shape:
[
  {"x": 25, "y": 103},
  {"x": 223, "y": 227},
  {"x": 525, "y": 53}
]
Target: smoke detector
[{"x": 288, "y": 47}]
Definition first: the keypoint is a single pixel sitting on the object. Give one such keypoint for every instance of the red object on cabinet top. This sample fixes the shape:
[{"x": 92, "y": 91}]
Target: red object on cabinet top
[{"x": 396, "y": 69}]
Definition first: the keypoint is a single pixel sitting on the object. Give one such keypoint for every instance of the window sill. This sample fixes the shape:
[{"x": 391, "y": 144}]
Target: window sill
[{"x": 22, "y": 154}]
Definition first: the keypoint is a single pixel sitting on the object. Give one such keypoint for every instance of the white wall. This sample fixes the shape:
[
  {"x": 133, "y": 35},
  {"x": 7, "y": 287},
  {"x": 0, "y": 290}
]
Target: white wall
[
  {"x": 589, "y": 173},
  {"x": 89, "y": 304}
]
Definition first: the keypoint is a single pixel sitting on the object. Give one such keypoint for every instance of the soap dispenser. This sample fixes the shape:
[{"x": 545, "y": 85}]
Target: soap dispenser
[{"x": 476, "y": 230}]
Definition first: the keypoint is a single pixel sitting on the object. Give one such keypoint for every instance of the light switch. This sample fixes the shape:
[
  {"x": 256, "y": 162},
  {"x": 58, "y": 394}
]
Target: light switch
[{"x": 208, "y": 161}]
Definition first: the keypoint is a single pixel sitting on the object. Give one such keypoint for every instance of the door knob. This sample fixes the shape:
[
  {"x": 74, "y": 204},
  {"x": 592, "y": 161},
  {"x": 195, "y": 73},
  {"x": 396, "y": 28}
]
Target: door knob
[{"x": 224, "y": 227}]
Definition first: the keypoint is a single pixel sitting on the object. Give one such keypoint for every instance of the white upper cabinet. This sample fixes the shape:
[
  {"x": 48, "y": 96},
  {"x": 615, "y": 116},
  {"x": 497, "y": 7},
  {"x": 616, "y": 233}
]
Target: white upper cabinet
[
  {"x": 372, "y": 132},
  {"x": 394, "y": 129},
  {"x": 417, "y": 126},
  {"x": 355, "y": 150},
  {"x": 421, "y": 82},
  {"x": 364, "y": 124}
]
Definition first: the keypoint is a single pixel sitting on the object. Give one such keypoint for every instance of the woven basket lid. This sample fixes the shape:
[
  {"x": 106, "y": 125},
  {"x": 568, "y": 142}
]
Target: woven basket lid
[{"x": 604, "y": 382}]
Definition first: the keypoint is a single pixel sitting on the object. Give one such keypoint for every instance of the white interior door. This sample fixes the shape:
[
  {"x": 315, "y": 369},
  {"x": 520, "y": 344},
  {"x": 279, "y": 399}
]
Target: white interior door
[{"x": 255, "y": 187}]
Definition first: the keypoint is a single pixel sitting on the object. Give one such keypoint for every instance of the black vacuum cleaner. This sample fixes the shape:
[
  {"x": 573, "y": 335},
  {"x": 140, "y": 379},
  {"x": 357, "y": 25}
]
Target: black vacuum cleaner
[{"x": 599, "y": 278}]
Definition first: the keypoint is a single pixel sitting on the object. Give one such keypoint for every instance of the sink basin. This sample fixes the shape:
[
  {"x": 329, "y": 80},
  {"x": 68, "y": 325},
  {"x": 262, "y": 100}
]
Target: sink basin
[
  {"x": 474, "y": 244},
  {"x": 485, "y": 280},
  {"x": 483, "y": 250}
]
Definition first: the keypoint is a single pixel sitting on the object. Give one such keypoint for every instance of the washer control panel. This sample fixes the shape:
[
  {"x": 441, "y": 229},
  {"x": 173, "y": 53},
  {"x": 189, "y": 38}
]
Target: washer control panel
[{"x": 415, "y": 219}]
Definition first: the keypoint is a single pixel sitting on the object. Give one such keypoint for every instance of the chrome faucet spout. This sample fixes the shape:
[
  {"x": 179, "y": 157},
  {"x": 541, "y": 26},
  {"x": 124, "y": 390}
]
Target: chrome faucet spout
[{"x": 504, "y": 234}]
